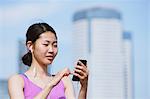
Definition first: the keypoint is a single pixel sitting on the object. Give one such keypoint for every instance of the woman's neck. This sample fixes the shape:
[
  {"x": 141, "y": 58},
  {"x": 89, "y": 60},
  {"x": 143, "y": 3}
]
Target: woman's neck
[{"x": 39, "y": 70}]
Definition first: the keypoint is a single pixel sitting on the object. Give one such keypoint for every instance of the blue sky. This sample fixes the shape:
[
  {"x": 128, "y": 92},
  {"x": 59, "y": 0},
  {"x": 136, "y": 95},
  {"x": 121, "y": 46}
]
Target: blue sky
[{"x": 17, "y": 15}]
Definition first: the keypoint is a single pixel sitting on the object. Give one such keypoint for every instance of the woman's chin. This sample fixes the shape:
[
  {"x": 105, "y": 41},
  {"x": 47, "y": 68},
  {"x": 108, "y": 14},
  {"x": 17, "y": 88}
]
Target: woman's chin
[{"x": 49, "y": 62}]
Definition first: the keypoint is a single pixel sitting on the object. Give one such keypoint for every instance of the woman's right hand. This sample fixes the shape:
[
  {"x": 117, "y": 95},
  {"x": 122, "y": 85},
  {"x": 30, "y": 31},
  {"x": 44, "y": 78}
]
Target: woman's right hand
[{"x": 59, "y": 76}]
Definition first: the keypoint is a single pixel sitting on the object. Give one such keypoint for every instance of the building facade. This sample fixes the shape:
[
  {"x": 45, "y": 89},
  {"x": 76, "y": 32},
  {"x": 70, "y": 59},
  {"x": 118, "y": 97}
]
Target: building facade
[
  {"x": 98, "y": 38},
  {"x": 128, "y": 68}
]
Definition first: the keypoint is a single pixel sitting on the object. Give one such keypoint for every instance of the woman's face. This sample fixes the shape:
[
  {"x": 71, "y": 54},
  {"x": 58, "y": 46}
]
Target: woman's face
[{"x": 45, "y": 48}]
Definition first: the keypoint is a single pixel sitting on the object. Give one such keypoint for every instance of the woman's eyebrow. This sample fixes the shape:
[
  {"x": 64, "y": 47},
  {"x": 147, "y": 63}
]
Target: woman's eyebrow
[
  {"x": 55, "y": 42},
  {"x": 50, "y": 41}
]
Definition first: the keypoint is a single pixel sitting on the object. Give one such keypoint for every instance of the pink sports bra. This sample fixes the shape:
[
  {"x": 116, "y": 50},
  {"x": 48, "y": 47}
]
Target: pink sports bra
[{"x": 31, "y": 89}]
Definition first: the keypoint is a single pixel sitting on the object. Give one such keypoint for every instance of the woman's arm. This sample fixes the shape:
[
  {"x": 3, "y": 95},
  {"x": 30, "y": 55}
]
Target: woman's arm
[
  {"x": 15, "y": 87},
  {"x": 82, "y": 72},
  {"x": 43, "y": 94},
  {"x": 83, "y": 90},
  {"x": 69, "y": 92}
]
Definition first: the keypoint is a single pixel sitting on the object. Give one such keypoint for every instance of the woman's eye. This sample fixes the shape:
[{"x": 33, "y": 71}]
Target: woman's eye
[
  {"x": 55, "y": 45},
  {"x": 45, "y": 44}
]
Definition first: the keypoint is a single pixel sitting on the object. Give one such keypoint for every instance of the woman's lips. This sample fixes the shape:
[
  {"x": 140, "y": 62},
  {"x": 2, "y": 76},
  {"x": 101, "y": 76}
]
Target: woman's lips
[{"x": 49, "y": 57}]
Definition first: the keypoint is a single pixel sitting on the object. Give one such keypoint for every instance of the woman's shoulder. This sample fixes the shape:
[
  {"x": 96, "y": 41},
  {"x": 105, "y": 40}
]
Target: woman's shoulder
[
  {"x": 15, "y": 86},
  {"x": 15, "y": 79},
  {"x": 66, "y": 80},
  {"x": 68, "y": 87}
]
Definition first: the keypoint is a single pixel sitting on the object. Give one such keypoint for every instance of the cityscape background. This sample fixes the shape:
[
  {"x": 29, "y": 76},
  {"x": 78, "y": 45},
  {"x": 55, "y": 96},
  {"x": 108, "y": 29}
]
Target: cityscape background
[{"x": 131, "y": 21}]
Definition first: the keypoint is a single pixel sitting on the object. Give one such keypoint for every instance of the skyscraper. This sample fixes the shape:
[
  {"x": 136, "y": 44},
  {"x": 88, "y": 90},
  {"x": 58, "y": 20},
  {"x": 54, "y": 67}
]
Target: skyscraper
[
  {"x": 98, "y": 38},
  {"x": 128, "y": 68}
]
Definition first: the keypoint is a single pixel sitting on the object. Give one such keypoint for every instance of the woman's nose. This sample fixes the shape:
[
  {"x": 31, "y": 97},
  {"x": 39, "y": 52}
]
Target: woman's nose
[{"x": 50, "y": 49}]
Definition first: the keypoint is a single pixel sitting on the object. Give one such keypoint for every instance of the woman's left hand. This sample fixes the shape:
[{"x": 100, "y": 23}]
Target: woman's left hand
[{"x": 82, "y": 72}]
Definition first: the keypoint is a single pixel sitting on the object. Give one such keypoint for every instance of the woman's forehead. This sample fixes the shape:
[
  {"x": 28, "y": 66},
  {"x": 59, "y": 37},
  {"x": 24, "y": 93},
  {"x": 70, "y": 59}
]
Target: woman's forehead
[{"x": 48, "y": 36}]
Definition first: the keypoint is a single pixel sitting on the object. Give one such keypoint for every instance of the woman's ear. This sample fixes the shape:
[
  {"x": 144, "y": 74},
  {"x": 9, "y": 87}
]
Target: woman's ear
[{"x": 30, "y": 46}]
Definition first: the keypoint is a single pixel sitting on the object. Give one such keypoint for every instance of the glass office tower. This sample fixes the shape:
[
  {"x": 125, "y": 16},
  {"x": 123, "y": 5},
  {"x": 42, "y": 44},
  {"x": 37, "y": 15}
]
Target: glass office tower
[{"x": 98, "y": 38}]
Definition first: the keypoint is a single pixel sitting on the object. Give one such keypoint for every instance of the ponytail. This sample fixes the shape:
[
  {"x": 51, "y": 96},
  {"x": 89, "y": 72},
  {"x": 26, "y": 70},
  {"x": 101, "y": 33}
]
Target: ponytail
[{"x": 27, "y": 59}]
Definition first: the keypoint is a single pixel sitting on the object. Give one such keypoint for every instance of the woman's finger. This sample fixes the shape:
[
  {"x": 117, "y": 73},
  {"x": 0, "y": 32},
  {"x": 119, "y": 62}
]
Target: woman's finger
[
  {"x": 81, "y": 73},
  {"x": 78, "y": 71},
  {"x": 80, "y": 68},
  {"x": 59, "y": 75},
  {"x": 78, "y": 75}
]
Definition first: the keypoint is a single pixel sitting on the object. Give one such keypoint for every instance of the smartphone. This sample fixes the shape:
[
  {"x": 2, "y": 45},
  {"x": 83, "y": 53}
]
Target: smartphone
[{"x": 75, "y": 78}]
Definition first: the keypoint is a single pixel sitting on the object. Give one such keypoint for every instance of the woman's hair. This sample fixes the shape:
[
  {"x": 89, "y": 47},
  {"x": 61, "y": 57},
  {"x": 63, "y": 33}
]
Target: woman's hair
[{"x": 33, "y": 33}]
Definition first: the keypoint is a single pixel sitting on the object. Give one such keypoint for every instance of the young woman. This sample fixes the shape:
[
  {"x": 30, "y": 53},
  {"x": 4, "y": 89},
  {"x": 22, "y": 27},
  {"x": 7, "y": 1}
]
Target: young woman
[{"x": 36, "y": 82}]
